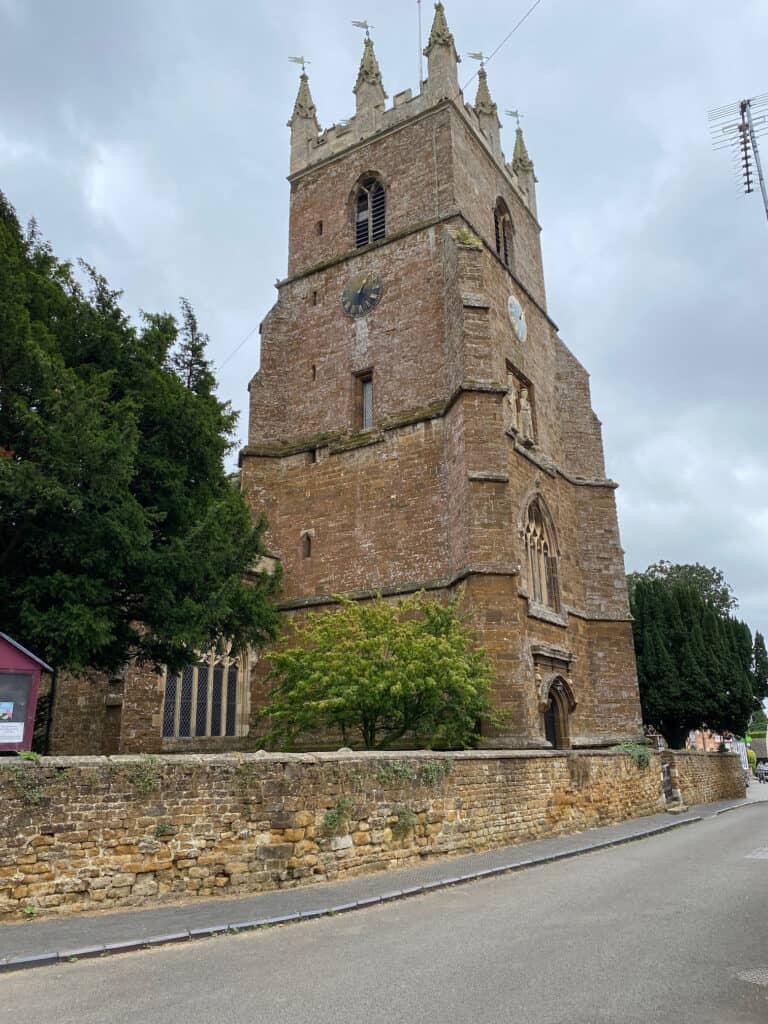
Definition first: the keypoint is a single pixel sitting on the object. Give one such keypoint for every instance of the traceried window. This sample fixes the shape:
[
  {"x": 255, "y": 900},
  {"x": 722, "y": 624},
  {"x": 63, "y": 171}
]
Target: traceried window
[
  {"x": 502, "y": 224},
  {"x": 543, "y": 585},
  {"x": 204, "y": 699},
  {"x": 370, "y": 212}
]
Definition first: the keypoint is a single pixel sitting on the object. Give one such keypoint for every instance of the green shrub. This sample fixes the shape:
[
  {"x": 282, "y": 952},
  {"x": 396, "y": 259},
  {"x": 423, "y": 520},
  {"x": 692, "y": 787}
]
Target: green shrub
[{"x": 640, "y": 755}]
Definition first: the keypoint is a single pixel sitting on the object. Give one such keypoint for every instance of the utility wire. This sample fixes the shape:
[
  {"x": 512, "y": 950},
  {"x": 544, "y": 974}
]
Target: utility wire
[
  {"x": 505, "y": 40},
  {"x": 235, "y": 350}
]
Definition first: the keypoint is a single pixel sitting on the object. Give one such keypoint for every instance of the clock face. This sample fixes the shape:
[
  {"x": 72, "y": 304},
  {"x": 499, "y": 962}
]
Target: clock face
[
  {"x": 517, "y": 316},
  {"x": 362, "y": 293}
]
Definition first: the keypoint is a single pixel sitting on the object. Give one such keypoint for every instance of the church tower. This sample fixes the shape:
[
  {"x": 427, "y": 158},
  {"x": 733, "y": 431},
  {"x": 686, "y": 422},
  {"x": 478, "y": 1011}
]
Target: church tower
[{"x": 417, "y": 423}]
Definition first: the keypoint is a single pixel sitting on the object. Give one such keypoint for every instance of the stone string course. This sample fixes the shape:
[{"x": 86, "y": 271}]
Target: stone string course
[{"x": 93, "y": 832}]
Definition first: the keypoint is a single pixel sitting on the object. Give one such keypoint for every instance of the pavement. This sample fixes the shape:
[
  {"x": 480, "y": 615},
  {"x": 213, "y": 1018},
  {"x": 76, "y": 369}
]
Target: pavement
[
  {"x": 671, "y": 928},
  {"x": 66, "y": 939}
]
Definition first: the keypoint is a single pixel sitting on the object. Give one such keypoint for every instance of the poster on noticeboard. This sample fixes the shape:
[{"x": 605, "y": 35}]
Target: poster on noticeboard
[{"x": 15, "y": 690}]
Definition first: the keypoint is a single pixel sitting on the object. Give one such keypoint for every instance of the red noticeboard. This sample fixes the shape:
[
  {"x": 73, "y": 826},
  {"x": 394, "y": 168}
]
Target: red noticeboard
[{"x": 19, "y": 683}]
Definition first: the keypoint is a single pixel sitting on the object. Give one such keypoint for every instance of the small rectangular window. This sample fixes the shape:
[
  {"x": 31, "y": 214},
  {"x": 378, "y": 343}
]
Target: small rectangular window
[
  {"x": 367, "y": 404},
  {"x": 319, "y": 228}
]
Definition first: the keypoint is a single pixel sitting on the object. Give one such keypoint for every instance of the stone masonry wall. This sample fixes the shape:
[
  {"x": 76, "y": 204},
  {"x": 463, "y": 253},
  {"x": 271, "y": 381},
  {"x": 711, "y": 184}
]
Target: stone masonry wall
[
  {"x": 82, "y": 833},
  {"x": 704, "y": 778}
]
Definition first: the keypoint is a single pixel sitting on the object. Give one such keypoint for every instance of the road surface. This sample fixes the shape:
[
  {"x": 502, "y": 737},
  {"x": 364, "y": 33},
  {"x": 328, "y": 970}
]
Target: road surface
[{"x": 669, "y": 929}]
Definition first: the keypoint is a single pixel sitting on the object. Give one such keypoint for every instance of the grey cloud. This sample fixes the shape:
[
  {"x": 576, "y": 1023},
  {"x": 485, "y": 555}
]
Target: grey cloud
[{"x": 150, "y": 139}]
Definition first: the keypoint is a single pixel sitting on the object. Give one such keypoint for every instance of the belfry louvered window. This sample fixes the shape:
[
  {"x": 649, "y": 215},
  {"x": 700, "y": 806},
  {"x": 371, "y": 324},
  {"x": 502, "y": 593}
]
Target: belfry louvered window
[
  {"x": 204, "y": 699},
  {"x": 370, "y": 212},
  {"x": 543, "y": 584},
  {"x": 502, "y": 224}
]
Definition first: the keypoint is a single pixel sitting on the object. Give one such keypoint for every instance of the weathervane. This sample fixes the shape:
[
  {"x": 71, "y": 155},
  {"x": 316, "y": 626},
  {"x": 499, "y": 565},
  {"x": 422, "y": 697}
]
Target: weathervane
[
  {"x": 365, "y": 25},
  {"x": 300, "y": 60},
  {"x": 516, "y": 114},
  {"x": 478, "y": 56}
]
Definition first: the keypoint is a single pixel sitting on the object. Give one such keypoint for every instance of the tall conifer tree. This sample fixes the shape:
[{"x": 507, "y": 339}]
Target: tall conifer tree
[{"x": 120, "y": 533}]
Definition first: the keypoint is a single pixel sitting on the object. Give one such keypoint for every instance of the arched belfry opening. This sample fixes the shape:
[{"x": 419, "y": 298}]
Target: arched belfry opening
[
  {"x": 556, "y": 704},
  {"x": 369, "y": 210}
]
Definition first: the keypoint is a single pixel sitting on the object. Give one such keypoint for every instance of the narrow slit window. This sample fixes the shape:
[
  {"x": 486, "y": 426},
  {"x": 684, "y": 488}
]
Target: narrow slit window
[
  {"x": 306, "y": 545},
  {"x": 366, "y": 402}
]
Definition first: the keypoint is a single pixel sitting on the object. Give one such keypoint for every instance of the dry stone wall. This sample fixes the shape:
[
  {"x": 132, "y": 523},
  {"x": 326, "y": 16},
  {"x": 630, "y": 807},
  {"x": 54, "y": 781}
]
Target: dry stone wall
[
  {"x": 703, "y": 778},
  {"x": 85, "y": 833}
]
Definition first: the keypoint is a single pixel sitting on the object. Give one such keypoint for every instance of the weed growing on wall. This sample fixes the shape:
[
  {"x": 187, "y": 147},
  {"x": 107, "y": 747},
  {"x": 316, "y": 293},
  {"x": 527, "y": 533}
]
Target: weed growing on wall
[
  {"x": 640, "y": 755},
  {"x": 394, "y": 772},
  {"x": 33, "y": 784},
  {"x": 433, "y": 773},
  {"x": 144, "y": 776},
  {"x": 405, "y": 822},
  {"x": 336, "y": 819}
]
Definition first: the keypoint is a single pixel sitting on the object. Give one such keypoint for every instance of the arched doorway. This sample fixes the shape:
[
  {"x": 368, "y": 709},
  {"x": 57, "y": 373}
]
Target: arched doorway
[{"x": 556, "y": 704}]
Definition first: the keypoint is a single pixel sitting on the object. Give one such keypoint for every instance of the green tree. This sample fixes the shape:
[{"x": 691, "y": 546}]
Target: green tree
[
  {"x": 708, "y": 581},
  {"x": 120, "y": 534},
  {"x": 694, "y": 662},
  {"x": 759, "y": 723},
  {"x": 760, "y": 667},
  {"x": 380, "y": 671}
]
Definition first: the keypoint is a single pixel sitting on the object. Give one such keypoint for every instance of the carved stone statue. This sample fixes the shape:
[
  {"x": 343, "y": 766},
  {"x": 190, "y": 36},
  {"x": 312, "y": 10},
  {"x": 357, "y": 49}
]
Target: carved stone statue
[
  {"x": 526, "y": 417},
  {"x": 512, "y": 416}
]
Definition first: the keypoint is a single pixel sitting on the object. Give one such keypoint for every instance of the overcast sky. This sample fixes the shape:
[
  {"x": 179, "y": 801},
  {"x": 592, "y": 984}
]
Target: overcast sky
[{"x": 149, "y": 138}]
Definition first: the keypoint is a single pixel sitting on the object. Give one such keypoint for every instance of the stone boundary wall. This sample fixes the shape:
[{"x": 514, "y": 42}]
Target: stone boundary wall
[
  {"x": 703, "y": 778},
  {"x": 96, "y": 832}
]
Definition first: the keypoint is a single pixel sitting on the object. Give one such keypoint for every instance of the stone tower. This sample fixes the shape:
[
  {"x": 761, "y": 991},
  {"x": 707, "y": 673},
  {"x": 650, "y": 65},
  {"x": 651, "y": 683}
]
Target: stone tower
[{"x": 417, "y": 423}]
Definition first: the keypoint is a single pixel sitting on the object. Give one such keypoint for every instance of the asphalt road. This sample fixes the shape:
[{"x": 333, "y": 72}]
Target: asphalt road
[{"x": 672, "y": 929}]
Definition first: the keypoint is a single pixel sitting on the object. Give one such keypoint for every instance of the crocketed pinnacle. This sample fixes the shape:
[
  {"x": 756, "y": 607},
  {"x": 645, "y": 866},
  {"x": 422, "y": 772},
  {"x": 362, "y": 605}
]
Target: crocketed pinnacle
[
  {"x": 520, "y": 159},
  {"x": 304, "y": 107},
  {"x": 369, "y": 67},
  {"x": 440, "y": 34},
  {"x": 483, "y": 102}
]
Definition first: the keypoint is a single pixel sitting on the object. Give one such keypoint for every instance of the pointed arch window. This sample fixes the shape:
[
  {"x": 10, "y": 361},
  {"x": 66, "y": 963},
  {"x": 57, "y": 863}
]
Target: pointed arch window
[
  {"x": 502, "y": 225},
  {"x": 370, "y": 211},
  {"x": 543, "y": 582},
  {"x": 206, "y": 699}
]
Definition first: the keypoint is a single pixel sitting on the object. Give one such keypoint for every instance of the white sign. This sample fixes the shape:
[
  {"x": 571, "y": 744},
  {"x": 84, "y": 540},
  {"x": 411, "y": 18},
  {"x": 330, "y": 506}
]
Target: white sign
[{"x": 11, "y": 732}]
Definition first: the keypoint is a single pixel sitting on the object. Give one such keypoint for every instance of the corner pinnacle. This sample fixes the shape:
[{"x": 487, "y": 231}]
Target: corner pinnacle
[
  {"x": 440, "y": 34},
  {"x": 369, "y": 67},
  {"x": 304, "y": 107}
]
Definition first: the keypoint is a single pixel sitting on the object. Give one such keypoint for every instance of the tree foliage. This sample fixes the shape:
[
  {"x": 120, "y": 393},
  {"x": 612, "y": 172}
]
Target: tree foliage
[
  {"x": 380, "y": 671},
  {"x": 759, "y": 723},
  {"x": 760, "y": 666},
  {"x": 695, "y": 662},
  {"x": 708, "y": 581},
  {"x": 120, "y": 534}
]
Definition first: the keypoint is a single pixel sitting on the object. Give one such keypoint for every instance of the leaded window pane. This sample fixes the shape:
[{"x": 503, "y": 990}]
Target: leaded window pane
[
  {"x": 216, "y": 699},
  {"x": 185, "y": 704},
  {"x": 169, "y": 709},
  {"x": 231, "y": 700},
  {"x": 201, "y": 719}
]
